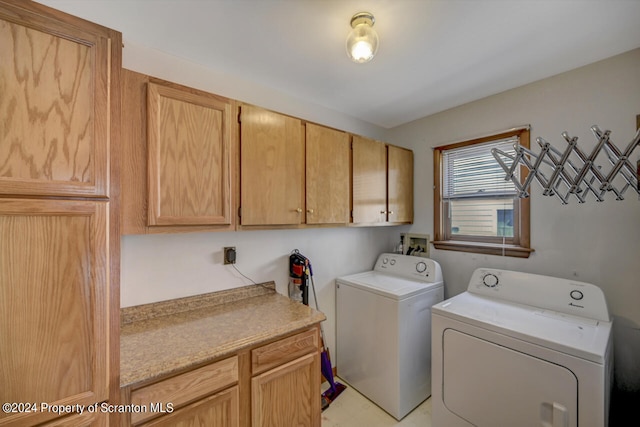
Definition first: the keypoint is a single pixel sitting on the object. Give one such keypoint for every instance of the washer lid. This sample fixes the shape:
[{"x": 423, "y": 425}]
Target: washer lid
[
  {"x": 577, "y": 336},
  {"x": 387, "y": 285}
]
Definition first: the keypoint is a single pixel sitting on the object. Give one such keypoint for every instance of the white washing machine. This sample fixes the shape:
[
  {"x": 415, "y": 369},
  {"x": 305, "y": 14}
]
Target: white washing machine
[
  {"x": 383, "y": 322},
  {"x": 520, "y": 349}
]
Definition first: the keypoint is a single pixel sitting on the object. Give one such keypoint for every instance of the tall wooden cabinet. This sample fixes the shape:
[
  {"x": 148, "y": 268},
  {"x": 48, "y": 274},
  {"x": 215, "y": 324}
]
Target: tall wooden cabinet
[
  {"x": 59, "y": 236},
  {"x": 382, "y": 183}
]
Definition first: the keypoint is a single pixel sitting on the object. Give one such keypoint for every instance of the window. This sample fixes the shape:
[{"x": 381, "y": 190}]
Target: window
[{"x": 475, "y": 208}]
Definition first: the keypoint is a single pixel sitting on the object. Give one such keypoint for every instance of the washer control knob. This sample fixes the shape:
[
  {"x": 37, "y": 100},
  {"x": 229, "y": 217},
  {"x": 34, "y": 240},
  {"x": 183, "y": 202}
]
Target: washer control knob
[
  {"x": 490, "y": 280},
  {"x": 385, "y": 260},
  {"x": 421, "y": 267},
  {"x": 392, "y": 262},
  {"x": 576, "y": 295}
]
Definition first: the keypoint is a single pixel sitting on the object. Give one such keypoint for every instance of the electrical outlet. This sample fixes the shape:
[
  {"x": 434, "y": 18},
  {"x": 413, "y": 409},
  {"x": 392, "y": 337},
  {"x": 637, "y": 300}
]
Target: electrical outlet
[{"x": 229, "y": 254}]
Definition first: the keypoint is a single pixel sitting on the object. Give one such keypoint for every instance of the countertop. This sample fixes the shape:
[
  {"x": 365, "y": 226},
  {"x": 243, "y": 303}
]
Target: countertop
[{"x": 160, "y": 339}]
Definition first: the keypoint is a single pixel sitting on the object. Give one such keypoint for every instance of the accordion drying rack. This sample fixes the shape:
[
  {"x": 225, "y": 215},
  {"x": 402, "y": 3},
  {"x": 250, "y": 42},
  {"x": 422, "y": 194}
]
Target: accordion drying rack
[{"x": 570, "y": 171}]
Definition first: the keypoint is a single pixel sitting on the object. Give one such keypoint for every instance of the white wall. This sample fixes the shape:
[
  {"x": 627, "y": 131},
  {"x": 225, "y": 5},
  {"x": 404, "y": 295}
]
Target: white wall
[
  {"x": 161, "y": 267},
  {"x": 593, "y": 242},
  {"x": 149, "y": 61}
]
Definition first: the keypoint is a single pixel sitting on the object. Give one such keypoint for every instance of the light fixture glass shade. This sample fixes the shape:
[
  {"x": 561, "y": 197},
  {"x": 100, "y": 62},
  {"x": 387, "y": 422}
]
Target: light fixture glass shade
[{"x": 362, "y": 41}]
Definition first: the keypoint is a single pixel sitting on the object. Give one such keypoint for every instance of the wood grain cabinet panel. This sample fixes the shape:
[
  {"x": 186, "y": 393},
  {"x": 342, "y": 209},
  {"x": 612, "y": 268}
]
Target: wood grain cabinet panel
[
  {"x": 327, "y": 180},
  {"x": 400, "y": 184},
  {"x": 219, "y": 410},
  {"x": 189, "y": 138},
  {"x": 54, "y": 304},
  {"x": 382, "y": 178},
  {"x": 369, "y": 181},
  {"x": 185, "y": 388},
  {"x": 55, "y": 79},
  {"x": 86, "y": 419},
  {"x": 274, "y": 384},
  {"x": 279, "y": 352},
  {"x": 59, "y": 213},
  {"x": 288, "y": 395},
  {"x": 271, "y": 167}
]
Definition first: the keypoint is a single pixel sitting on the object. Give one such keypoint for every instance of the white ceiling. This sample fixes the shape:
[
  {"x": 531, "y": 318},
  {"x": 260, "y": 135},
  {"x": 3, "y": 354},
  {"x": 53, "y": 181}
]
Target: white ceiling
[{"x": 433, "y": 54}]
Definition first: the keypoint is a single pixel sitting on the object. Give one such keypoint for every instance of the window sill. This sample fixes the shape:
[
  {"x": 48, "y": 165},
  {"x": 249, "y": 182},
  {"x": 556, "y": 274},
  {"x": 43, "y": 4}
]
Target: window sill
[{"x": 483, "y": 248}]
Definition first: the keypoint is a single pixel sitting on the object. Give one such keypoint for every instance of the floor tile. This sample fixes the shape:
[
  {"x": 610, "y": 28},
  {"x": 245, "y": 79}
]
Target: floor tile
[{"x": 352, "y": 409}]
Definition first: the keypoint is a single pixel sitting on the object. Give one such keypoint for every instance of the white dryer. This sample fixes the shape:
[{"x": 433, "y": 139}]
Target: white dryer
[
  {"x": 383, "y": 325},
  {"x": 520, "y": 349}
]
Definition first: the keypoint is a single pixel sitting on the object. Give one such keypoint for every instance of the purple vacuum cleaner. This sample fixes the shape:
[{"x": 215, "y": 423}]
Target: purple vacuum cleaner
[{"x": 335, "y": 388}]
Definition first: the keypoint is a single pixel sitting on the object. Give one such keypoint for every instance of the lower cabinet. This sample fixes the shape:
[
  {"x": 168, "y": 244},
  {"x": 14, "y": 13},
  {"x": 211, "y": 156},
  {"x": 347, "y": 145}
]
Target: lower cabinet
[
  {"x": 278, "y": 382},
  {"x": 283, "y": 396},
  {"x": 86, "y": 419},
  {"x": 221, "y": 410},
  {"x": 285, "y": 383},
  {"x": 199, "y": 395}
]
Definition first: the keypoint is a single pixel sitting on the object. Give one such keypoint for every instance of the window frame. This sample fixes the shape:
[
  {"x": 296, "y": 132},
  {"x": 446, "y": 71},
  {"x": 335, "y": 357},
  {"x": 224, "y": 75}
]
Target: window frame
[{"x": 520, "y": 245}]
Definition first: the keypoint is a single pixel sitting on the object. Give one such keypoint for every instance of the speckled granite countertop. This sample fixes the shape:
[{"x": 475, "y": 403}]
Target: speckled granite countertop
[{"x": 157, "y": 340}]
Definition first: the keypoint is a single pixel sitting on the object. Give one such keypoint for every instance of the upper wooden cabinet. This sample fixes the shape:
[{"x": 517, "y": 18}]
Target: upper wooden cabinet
[
  {"x": 271, "y": 168},
  {"x": 327, "y": 175},
  {"x": 369, "y": 181},
  {"x": 55, "y": 91},
  {"x": 182, "y": 149},
  {"x": 177, "y": 157},
  {"x": 382, "y": 183},
  {"x": 189, "y": 138},
  {"x": 399, "y": 184}
]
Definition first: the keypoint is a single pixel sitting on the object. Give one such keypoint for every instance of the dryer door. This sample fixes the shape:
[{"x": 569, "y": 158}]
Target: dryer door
[{"x": 489, "y": 385}]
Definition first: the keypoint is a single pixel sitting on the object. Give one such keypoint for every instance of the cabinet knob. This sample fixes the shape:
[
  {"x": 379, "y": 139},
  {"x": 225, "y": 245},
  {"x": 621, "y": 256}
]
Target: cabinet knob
[
  {"x": 310, "y": 211},
  {"x": 383, "y": 212},
  {"x": 299, "y": 210},
  {"x": 390, "y": 212}
]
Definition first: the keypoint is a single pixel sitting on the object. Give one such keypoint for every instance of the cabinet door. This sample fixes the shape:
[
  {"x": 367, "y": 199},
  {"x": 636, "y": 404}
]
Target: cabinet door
[
  {"x": 55, "y": 76},
  {"x": 289, "y": 395},
  {"x": 53, "y": 304},
  {"x": 189, "y": 141},
  {"x": 369, "y": 181},
  {"x": 272, "y": 165},
  {"x": 184, "y": 388},
  {"x": 400, "y": 184},
  {"x": 86, "y": 419},
  {"x": 219, "y": 410},
  {"x": 327, "y": 175}
]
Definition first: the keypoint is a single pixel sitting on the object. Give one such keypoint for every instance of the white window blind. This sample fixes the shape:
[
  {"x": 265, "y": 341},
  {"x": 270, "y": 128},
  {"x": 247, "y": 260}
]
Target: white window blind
[{"x": 473, "y": 171}]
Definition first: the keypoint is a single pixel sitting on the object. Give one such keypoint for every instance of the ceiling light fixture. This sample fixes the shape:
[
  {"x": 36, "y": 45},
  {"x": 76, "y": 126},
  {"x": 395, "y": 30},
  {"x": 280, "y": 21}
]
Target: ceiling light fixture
[{"x": 362, "y": 41}]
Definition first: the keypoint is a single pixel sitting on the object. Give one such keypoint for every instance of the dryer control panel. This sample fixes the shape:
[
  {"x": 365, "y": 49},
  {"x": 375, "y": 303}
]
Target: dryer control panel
[
  {"x": 544, "y": 292},
  {"x": 410, "y": 267}
]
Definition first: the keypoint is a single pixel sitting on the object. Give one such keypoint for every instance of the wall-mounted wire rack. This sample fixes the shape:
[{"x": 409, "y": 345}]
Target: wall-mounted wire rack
[{"x": 572, "y": 171}]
